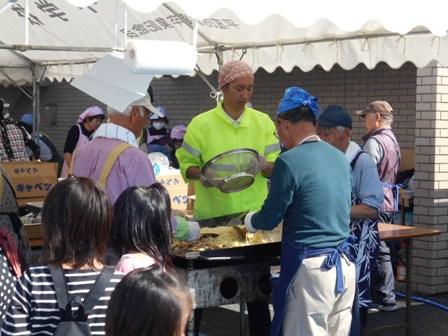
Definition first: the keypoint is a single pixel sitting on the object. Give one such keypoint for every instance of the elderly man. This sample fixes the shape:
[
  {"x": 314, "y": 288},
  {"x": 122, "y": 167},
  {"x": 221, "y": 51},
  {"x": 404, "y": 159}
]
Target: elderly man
[
  {"x": 381, "y": 144},
  {"x": 230, "y": 125},
  {"x": 310, "y": 193},
  {"x": 113, "y": 157},
  {"x": 335, "y": 127}
]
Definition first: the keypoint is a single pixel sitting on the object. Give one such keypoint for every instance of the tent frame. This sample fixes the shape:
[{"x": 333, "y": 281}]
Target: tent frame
[{"x": 209, "y": 47}]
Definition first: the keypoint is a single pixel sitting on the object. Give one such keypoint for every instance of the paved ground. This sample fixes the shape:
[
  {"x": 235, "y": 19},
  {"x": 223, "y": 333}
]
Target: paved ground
[{"x": 427, "y": 320}]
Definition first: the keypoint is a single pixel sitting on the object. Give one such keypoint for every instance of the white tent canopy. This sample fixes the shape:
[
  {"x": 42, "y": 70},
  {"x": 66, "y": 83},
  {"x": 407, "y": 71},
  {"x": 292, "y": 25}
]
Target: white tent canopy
[{"x": 64, "y": 40}]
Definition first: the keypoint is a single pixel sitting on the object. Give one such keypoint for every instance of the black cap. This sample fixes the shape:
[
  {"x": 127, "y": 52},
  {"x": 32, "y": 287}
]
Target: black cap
[{"x": 335, "y": 115}]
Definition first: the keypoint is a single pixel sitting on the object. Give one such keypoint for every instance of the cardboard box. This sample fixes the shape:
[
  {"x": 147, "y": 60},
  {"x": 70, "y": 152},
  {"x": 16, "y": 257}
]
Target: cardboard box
[
  {"x": 407, "y": 159},
  {"x": 177, "y": 189},
  {"x": 34, "y": 234},
  {"x": 33, "y": 231},
  {"x": 31, "y": 180},
  {"x": 172, "y": 180},
  {"x": 179, "y": 197}
]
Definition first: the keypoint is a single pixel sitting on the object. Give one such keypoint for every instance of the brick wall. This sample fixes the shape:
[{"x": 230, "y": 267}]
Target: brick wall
[
  {"x": 184, "y": 97},
  {"x": 69, "y": 101},
  {"x": 431, "y": 201}
]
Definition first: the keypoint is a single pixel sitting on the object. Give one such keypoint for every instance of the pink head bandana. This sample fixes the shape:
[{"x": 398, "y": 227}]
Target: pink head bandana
[
  {"x": 92, "y": 111},
  {"x": 233, "y": 70}
]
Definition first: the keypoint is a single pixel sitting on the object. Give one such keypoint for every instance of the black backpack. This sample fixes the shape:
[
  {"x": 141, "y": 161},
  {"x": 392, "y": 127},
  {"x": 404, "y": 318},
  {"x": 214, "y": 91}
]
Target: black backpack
[{"x": 74, "y": 323}]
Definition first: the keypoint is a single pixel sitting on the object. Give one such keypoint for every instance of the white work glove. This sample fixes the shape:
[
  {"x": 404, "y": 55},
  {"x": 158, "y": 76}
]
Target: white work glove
[
  {"x": 262, "y": 163},
  {"x": 247, "y": 222},
  {"x": 205, "y": 182},
  {"x": 186, "y": 230},
  {"x": 193, "y": 231}
]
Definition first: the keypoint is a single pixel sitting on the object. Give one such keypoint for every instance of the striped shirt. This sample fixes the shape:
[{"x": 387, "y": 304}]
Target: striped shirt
[{"x": 34, "y": 309}]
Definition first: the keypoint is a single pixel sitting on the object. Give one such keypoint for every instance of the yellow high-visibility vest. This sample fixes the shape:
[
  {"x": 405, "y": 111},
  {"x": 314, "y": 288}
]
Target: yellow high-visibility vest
[{"x": 212, "y": 133}]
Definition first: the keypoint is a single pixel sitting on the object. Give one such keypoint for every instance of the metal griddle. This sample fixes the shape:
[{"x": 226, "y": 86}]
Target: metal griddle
[
  {"x": 252, "y": 252},
  {"x": 242, "y": 253}
]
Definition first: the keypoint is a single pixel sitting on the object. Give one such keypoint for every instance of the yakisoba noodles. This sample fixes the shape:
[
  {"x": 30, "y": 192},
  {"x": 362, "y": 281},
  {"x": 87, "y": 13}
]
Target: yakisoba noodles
[{"x": 226, "y": 237}]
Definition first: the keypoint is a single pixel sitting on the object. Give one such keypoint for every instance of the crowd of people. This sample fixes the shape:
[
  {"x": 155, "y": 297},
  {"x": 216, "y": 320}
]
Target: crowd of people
[
  {"x": 328, "y": 192},
  {"x": 17, "y": 143}
]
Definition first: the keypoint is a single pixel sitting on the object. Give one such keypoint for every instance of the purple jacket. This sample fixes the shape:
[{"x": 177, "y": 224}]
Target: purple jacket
[
  {"x": 388, "y": 164},
  {"x": 132, "y": 167}
]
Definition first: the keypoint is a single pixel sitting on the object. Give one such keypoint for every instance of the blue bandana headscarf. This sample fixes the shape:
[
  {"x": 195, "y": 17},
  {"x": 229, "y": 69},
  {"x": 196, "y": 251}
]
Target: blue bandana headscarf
[{"x": 296, "y": 97}]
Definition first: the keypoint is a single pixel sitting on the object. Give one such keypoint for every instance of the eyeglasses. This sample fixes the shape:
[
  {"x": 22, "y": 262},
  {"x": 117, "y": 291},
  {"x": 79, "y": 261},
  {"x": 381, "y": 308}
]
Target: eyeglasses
[{"x": 278, "y": 123}]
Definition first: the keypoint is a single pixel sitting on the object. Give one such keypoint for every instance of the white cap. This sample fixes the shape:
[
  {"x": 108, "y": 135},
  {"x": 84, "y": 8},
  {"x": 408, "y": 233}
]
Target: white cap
[{"x": 146, "y": 102}]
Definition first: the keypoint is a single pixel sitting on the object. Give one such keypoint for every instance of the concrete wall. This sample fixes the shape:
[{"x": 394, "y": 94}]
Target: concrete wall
[
  {"x": 68, "y": 101},
  {"x": 184, "y": 97}
]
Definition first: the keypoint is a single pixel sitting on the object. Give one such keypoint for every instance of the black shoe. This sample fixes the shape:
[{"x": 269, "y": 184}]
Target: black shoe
[{"x": 388, "y": 307}]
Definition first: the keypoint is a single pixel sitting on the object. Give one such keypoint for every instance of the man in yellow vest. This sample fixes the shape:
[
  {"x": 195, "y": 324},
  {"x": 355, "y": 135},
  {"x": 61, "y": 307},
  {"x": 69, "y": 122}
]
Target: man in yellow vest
[{"x": 231, "y": 125}]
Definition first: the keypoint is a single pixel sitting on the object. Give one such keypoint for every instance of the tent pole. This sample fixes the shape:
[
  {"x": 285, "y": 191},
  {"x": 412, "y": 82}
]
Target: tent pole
[
  {"x": 319, "y": 40},
  {"x": 214, "y": 93},
  {"x": 23, "y": 47},
  {"x": 27, "y": 22},
  {"x": 219, "y": 53},
  {"x": 44, "y": 70},
  {"x": 36, "y": 100}
]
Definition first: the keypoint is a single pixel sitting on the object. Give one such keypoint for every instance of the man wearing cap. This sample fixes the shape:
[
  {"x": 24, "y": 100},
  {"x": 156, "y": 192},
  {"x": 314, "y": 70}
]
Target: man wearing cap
[
  {"x": 230, "y": 125},
  {"x": 381, "y": 144},
  {"x": 112, "y": 157},
  {"x": 310, "y": 193},
  {"x": 79, "y": 134},
  {"x": 335, "y": 127},
  {"x": 159, "y": 134}
]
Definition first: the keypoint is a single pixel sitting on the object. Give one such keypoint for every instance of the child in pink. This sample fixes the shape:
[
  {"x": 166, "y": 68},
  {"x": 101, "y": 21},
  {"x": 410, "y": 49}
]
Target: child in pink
[{"x": 141, "y": 227}]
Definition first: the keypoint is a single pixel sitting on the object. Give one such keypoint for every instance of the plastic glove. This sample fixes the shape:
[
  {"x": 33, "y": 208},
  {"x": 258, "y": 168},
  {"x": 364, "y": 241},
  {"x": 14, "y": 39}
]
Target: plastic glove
[
  {"x": 194, "y": 231},
  {"x": 187, "y": 230},
  {"x": 262, "y": 163},
  {"x": 181, "y": 228},
  {"x": 205, "y": 182},
  {"x": 247, "y": 222}
]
